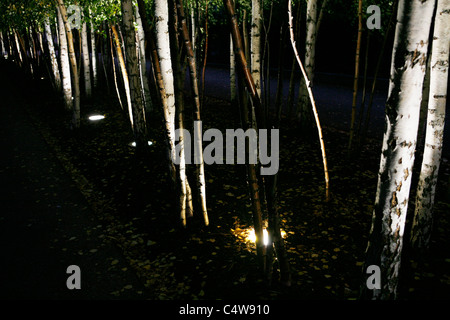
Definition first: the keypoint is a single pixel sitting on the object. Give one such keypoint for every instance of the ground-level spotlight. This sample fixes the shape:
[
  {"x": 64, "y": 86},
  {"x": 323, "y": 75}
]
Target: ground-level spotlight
[
  {"x": 133, "y": 144},
  {"x": 250, "y": 236},
  {"x": 96, "y": 117}
]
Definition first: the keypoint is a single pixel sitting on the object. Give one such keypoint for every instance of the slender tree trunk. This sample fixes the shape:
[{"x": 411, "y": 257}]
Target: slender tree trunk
[
  {"x": 137, "y": 101},
  {"x": 123, "y": 68},
  {"x": 3, "y": 51},
  {"x": 53, "y": 60},
  {"x": 143, "y": 62},
  {"x": 179, "y": 72},
  {"x": 255, "y": 44},
  {"x": 355, "y": 81},
  {"x": 310, "y": 48},
  {"x": 167, "y": 81},
  {"x": 19, "y": 52},
  {"x": 94, "y": 54},
  {"x": 113, "y": 62},
  {"x": 426, "y": 189},
  {"x": 313, "y": 104},
  {"x": 197, "y": 117},
  {"x": 86, "y": 61},
  {"x": 73, "y": 64},
  {"x": 65, "y": 64},
  {"x": 409, "y": 58},
  {"x": 291, "y": 93}
]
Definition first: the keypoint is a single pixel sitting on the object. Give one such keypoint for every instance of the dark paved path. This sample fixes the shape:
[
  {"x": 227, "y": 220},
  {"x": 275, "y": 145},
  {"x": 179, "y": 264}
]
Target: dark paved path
[{"x": 45, "y": 223}]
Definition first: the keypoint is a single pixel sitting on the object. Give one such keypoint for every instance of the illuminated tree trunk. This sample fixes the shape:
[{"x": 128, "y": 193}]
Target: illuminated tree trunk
[
  {"x": 166, "y": 84},
  {"x": 426, "y": 189},
  {"x": 197, "y": 118},
  {"x": 123, "y": 68},
  {"x": 94, "y": 55},
  {"x": 53, "y": 60},
  {"x": 255, "y": 44},
  {"x": 310, "y": 48},
  {"x": 113, "y": 62},
  {"x": 355, "y": 81},
  {"x": 86, "y": 61},
  {"x": 73, "y": 64},
  {"x": 3, "y": 50},
  {"x": 409, "y": 58},
  {"x": 137, "y": 101},
  {"x": 143, "y": 61},
  {"x": 65, "y": 64}
]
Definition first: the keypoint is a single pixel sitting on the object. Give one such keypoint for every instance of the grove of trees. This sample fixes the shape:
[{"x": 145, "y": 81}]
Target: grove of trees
[{"x": 152, "y": 55}]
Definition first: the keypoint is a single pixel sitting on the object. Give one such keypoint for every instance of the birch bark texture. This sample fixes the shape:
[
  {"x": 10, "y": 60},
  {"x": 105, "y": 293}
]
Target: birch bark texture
[
  {"x": 310, "y": 49},
  {"x": 134, "y": 79},
  {"x": 142, "y": 61},
  {"x": 73, "y": 64},
  {"x": 94, "y": 53},
  {"x": 165, "y": 63},
  {"x": 65, "y": 65},
  {"x": 53, "y": 59},
  {"x": 426, "y": 189},
  {"x": 408, "y": 66},
  {"x": 86, "y": 61},
  {"x": 255, "y": 44}
]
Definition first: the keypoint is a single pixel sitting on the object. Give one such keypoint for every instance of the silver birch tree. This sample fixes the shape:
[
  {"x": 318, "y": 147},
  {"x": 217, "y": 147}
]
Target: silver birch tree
[
  {"x": 143, "y": 61},
  {"x": 134, "y": 79},
  {"x": 86, "y": 60},
  {"x": 94, "y": 53},
  {"x": 408, "y": 65},
  {"x": 163, "y": 49},
  {"x": 310, "y": 47},
  {"x": 422, "y": 223},
  {"x": 255, "y": 44},
  {"x": 53, "y": 60},
  {"x": 65, "y": 64}
]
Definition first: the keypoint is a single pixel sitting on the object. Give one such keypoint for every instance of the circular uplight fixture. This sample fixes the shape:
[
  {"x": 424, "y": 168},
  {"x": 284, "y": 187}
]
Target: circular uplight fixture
[{"x": 96, "y": 117}]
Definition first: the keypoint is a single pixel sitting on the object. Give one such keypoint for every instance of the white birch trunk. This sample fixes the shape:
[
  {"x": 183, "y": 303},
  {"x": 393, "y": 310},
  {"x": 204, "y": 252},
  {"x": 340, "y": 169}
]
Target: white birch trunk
[
  {"x": 18, "y": 47},
  {"x": 86, "y": 61},
  {"x": 53, "y": 60},
  {"x": 422, "y": 224},
  {"x": 3, "y": 48},
  {"x": 143, "y": 61},
  {"x": 163, "y": 48},
  {"x": 139, "y": 129},
  {"x": 76, "y": 121},
  {"x": 65, "y": 65},
  {"x": 310, "y": 49},
  {"x": 255, "y": 44},
  {"x": 399, "y": 143},
  {"x": 94, "y": 54}
]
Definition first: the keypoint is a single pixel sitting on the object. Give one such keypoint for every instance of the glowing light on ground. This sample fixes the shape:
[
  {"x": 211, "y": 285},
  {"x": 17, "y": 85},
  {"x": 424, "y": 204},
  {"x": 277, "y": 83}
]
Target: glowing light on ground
[
  {"x": 133, "y": 144},
  {"x": 96, "y": 117},
  {"x": 250, "y": 236}
]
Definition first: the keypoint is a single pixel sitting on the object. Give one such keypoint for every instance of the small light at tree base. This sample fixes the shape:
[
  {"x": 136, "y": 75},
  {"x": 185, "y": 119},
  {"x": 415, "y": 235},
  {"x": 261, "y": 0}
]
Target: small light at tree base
[
  {"x": 96, "y": 117},
  {"x": 251, "y": 236},
  {"x": 133, "y": 144}
]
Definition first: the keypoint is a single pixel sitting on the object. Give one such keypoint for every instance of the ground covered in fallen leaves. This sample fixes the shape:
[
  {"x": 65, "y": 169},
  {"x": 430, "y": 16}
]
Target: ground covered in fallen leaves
[{"x": 136, "y": 209}]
